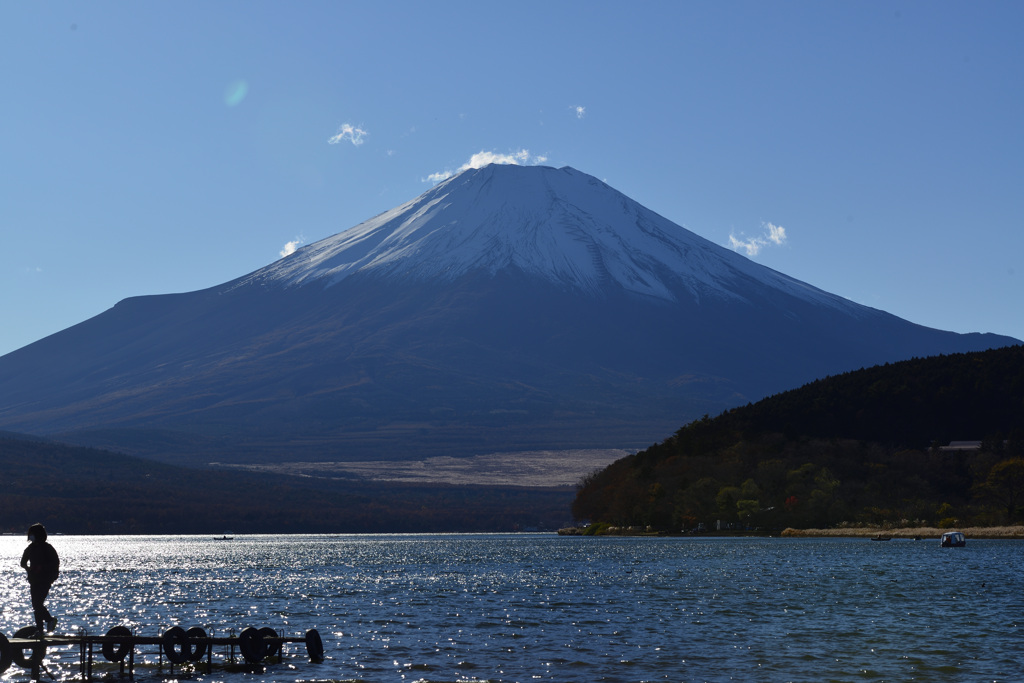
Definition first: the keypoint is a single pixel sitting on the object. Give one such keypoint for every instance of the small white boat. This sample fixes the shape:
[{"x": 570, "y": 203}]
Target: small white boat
[{"x": 953, "y": 539}]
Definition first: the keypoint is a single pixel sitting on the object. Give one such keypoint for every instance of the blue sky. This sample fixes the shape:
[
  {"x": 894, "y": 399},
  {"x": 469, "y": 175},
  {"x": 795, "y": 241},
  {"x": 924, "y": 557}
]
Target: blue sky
[{"x": 872, "y": 149}]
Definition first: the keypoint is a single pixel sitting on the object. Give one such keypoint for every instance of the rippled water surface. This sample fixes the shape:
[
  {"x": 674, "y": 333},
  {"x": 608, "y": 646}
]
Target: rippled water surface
[{"x": 543, "y": 607}]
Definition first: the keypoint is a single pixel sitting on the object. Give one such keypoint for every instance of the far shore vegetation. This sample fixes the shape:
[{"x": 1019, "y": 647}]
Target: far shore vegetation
[
  {"x": 972, "y": 532},
  {"x": 1015, "y": 532},
  {"x": 857, "y": 454}
]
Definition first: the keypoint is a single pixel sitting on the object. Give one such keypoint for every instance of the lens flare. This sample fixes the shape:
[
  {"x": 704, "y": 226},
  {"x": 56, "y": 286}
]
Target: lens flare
[{"x": 235, "y": 93}]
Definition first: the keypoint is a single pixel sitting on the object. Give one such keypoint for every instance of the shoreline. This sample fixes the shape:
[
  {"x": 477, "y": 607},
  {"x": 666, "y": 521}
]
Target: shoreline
[
  {"x": 924, "y": 533},
  {"x": 909, "y": 533}
]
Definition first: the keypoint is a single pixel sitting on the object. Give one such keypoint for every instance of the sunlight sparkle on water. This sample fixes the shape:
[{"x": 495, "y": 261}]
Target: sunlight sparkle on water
[{"x": 521, "y": 607}]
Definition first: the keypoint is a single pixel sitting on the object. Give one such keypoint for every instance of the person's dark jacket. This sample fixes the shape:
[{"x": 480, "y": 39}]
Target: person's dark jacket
[{"x": 40, "y": 558}]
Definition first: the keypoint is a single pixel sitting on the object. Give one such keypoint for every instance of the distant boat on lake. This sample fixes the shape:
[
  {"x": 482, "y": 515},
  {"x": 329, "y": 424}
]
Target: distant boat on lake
[{"x": 953, "y": 539}]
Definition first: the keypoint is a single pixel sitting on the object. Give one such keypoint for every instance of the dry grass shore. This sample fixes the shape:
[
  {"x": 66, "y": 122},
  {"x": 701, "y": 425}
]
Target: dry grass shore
[{"x": 912, "y": 532}]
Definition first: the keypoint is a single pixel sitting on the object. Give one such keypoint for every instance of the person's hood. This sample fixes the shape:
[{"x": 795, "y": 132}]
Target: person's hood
[{"x": 39, "y": 531}]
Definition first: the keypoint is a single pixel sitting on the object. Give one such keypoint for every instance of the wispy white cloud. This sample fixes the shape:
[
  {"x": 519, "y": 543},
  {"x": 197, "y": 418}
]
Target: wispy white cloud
[
  {"x": 776, "y": 233},
  {"x": 290, "y": 247},
  {"x": 482, "y": 158},
  {"x": 770, "y": 234},
  {"x": 438, "y": 177},
  {"x": 348, "y": 132}
]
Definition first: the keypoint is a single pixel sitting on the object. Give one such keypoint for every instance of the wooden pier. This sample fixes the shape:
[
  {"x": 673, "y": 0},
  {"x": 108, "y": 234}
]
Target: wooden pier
[{"x": 176, "y": 644}]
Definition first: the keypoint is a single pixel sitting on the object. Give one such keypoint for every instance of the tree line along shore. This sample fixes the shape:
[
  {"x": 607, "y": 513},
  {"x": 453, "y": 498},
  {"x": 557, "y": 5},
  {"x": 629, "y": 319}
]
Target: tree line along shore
[
  {"x": 986, "y": 532},
  {"x": 911, "y": 533}
]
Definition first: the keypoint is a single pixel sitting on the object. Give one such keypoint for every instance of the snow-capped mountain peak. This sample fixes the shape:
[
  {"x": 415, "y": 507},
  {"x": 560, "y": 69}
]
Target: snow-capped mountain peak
[{"x": 558, "y": 224}]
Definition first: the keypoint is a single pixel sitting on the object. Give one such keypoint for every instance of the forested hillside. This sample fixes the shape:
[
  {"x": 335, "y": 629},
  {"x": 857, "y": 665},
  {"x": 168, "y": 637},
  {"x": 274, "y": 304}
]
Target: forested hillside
[{"x": 862, "y": 447}]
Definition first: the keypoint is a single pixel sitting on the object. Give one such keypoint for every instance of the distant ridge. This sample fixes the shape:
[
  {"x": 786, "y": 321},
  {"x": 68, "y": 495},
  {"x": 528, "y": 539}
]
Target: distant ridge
[
  {"x": 506, "y": 309},
  {"x": 78, "y": 490}
]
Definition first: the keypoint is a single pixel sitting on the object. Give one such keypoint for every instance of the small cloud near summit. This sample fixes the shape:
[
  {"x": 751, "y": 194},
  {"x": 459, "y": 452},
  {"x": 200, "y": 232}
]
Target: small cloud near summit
[
  {"x": 482, "y": 158},
  {"x": 772, "y": 234},
  {"x": 290, "y": 247}
]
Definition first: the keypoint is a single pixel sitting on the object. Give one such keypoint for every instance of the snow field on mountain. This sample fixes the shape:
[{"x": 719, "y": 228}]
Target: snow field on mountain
[{"x": 557, "y": 224}]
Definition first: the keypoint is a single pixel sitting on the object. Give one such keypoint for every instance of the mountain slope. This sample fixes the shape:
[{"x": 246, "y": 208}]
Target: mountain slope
[{"x": 506, "y": 309}]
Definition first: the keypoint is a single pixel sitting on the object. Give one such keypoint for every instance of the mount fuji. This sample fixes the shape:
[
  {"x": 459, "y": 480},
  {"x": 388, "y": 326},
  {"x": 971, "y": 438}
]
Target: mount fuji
[{"x": 506, "y": 309}]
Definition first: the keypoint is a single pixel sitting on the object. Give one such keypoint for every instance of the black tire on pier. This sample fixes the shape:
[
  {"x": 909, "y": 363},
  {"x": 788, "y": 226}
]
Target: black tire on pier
[
  {"x": 314, "y": 645},
  {"x": 116, "y": 651},
  {"x": 197, "y": 637},
  {"x": 250, "y": 642},
  {"x": 273, "y": 646},
  {"x": 175, "y": 645},
  {"x": 6, "y": 653},
  {"x": 38, "y": 648}
]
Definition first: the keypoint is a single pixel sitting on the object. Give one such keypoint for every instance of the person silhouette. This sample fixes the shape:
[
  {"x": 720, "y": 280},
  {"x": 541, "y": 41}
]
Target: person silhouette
[{"x": 41, "y": 562}]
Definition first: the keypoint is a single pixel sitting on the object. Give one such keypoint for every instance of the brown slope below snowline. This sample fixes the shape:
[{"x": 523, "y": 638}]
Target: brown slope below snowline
[
  {"x": 541, "y": 469},
  {"x": 83, "y": 490}
]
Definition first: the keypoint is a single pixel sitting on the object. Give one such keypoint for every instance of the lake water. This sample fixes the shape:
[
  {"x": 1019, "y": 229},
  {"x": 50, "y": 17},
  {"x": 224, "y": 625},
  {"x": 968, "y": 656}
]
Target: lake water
[{"x": 535, "y": 607}]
